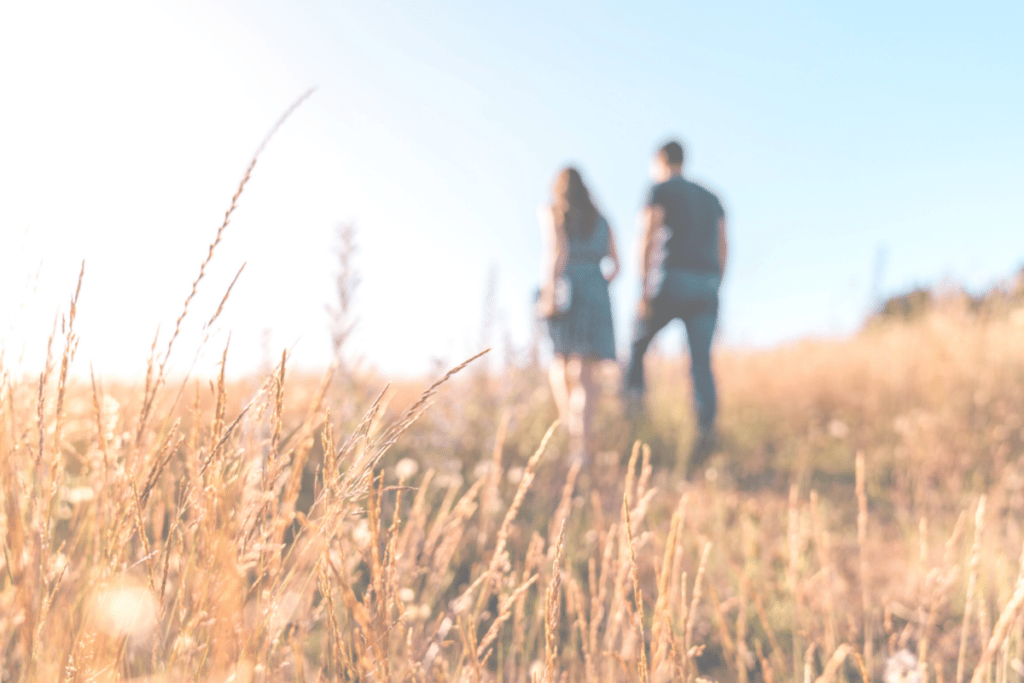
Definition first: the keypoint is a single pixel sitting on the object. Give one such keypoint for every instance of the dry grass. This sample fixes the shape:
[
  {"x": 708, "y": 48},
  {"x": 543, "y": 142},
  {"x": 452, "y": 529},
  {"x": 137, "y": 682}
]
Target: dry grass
[
  {"x": 301, "y": 529},
  {"x": 231, "y": 541}
]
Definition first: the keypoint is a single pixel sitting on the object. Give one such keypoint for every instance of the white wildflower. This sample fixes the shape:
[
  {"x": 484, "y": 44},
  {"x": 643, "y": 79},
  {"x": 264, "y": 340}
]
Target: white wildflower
[
  {"x": 124, "y": 608},
  {"x": 406, "y": 469},
  {"x": 902, "y": 668},
  {"x": 838, "y": 429}
]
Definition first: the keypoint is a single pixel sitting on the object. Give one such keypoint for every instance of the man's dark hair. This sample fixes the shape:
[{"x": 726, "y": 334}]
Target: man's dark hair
[{"x": 672, "y": 153}]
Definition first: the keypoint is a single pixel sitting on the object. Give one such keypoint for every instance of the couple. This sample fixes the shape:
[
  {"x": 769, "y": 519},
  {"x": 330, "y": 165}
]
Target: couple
[{"x": 682, "y": 258}]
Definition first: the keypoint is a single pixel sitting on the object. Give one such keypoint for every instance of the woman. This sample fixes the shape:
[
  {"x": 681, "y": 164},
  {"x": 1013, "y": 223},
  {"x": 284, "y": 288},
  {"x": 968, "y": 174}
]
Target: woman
[{"x": 574, "y": 300}]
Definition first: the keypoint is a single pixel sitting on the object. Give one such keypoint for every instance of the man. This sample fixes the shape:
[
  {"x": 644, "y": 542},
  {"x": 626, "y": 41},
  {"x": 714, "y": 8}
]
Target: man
[{"x": 684, "y": 225}]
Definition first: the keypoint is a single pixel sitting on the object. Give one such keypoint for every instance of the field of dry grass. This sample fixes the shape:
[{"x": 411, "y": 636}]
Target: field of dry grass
[{"x": 861, "y": 519}]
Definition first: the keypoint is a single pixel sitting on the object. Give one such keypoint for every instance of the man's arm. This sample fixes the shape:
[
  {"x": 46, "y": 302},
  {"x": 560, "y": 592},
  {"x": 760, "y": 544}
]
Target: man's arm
[{"x": 651, "y": 222}]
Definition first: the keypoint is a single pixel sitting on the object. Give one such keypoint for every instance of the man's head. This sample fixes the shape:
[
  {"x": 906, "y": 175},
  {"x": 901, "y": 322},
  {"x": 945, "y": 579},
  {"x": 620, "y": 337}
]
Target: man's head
[{"x": 668, "y": 161}]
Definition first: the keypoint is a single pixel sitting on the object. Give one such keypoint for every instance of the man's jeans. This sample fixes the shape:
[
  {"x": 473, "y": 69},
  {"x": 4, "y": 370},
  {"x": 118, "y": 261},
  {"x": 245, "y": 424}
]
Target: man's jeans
[{"x": 693, "y": 298}]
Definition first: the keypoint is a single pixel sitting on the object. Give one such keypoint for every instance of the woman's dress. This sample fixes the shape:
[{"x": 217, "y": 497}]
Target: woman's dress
[{"x": 585, "y": 329}]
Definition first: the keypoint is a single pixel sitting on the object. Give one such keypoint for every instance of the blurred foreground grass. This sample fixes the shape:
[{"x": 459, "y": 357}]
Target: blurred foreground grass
[{"x": 861, "y": 519}]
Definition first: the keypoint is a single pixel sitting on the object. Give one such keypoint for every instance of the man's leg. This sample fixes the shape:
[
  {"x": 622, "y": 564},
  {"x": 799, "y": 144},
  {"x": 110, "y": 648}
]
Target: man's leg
[
  {"x": 700, "y": 330},
  {"x": 644, "y": 331}
]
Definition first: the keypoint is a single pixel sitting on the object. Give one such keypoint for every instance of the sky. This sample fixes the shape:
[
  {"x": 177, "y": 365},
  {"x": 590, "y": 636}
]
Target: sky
[{"x": 858, "y": 149}]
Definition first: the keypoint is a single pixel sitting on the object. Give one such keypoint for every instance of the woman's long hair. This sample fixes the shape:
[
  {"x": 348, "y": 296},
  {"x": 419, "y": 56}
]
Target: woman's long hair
[{"x": 575, "y": 213}]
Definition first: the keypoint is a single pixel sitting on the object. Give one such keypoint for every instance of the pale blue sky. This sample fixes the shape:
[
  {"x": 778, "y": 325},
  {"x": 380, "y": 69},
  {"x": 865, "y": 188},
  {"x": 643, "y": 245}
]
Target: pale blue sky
[{"x": 828, "y": 131}]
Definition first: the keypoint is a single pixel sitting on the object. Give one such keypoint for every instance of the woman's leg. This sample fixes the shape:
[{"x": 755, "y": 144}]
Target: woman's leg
[
  {"x": 589, "y": 403},
  {"x": 560, "y": 388},
  {"x": 580, "y": 382}
]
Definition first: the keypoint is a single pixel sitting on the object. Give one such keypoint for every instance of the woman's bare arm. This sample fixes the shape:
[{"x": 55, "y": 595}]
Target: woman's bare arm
[
  {"x": 557, "y": 251},
  {"x": 613, "y": 254},
  {"x": 723, "y": 246},
  {"x": 556, "y": 254}
]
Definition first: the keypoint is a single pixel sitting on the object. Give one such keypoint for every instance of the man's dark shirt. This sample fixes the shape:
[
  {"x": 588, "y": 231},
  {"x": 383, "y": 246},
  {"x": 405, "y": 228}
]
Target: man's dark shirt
[{"x": 692, "y": 214}]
